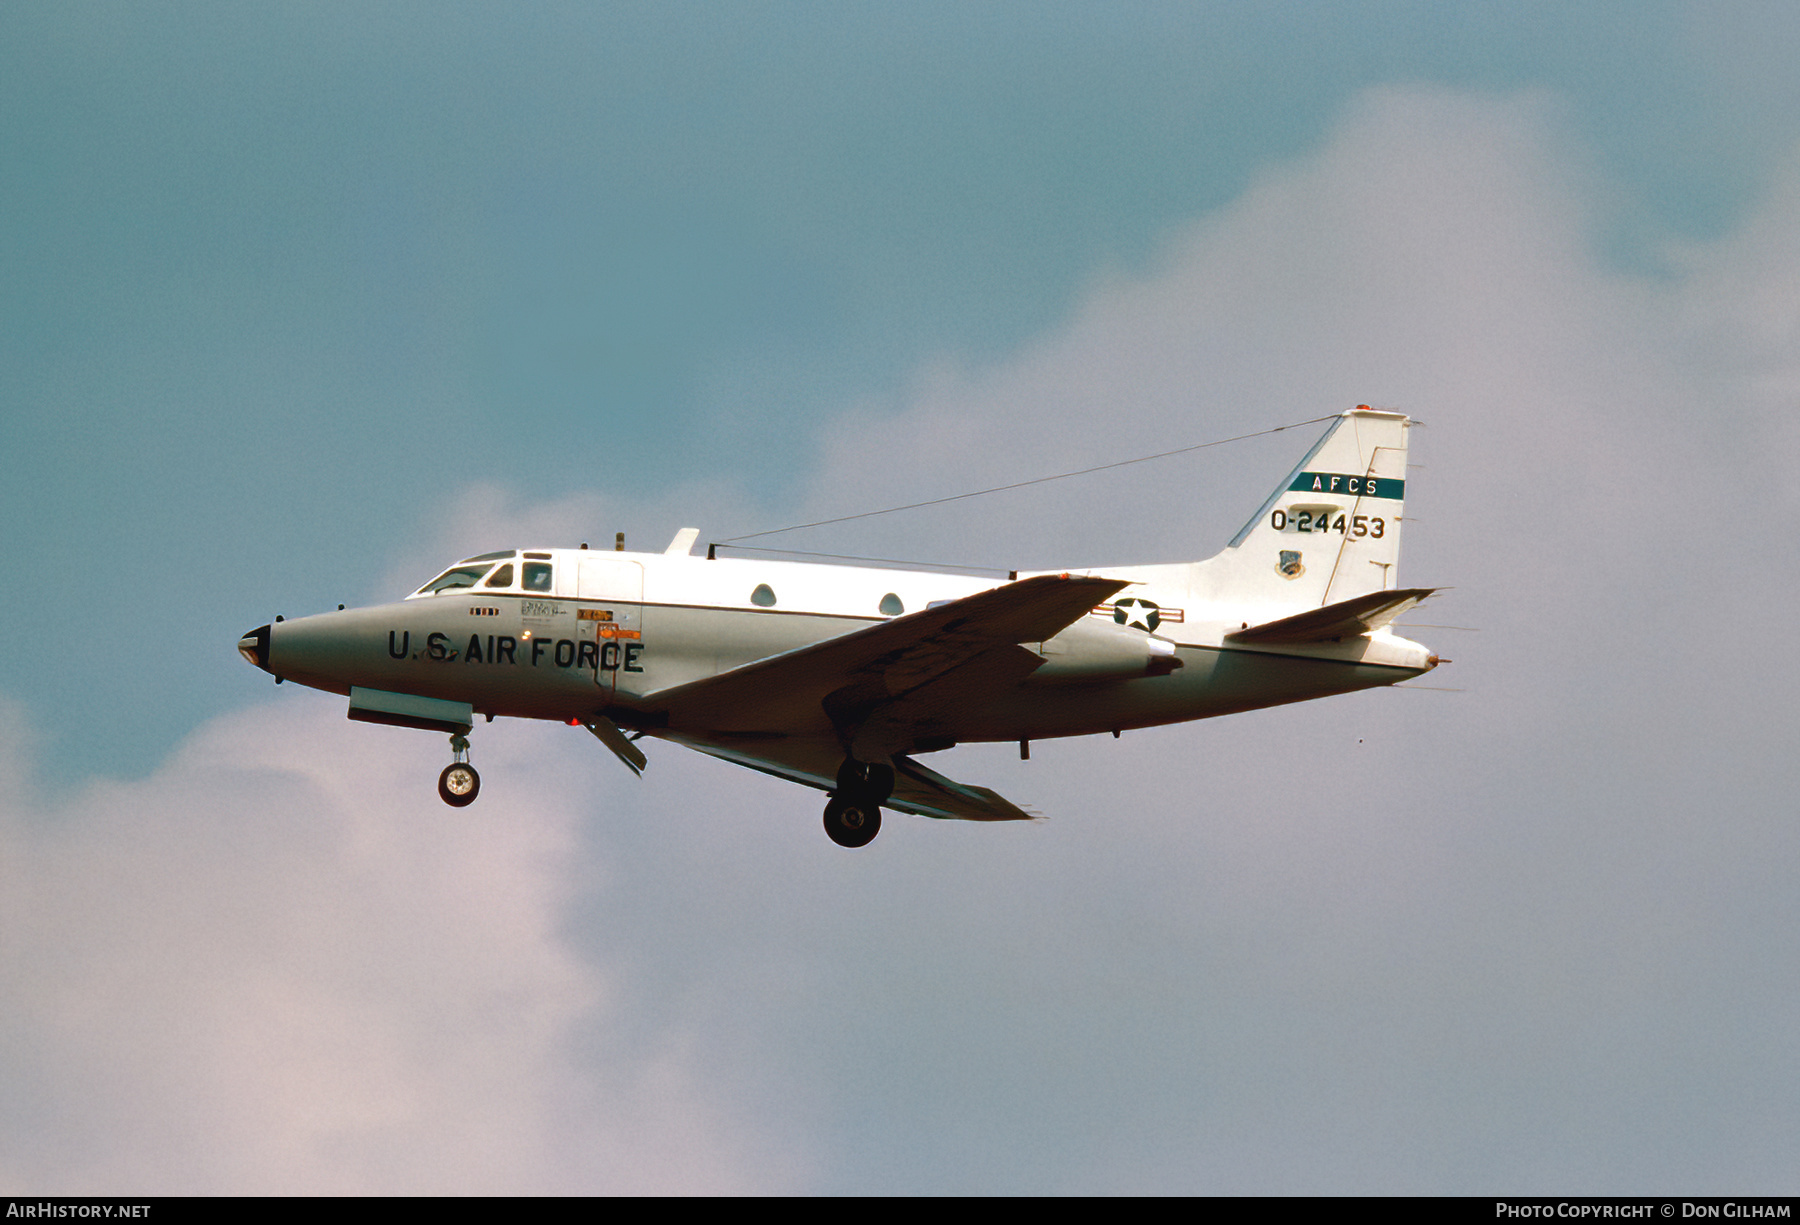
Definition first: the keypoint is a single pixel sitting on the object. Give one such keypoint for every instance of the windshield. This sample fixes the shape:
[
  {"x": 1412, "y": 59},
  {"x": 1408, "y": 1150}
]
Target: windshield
[{"x": 451, "y": 580}]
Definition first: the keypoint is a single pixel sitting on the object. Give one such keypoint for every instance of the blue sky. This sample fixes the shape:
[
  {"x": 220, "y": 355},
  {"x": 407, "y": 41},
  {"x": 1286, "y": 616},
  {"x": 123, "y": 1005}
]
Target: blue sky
[
  {"x": 300, "y": 303},
  {"x": 278, "y": 283}
]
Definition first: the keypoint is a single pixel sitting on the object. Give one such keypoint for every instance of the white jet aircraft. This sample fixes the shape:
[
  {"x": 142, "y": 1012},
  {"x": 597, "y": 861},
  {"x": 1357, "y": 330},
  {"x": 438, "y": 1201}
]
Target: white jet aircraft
[{"x": 838, "y": 677}]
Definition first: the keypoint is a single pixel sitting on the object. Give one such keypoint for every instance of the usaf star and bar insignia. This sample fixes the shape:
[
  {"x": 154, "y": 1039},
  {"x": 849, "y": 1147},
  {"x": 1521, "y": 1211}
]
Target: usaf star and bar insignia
[{"x": 1145, "y": 615}]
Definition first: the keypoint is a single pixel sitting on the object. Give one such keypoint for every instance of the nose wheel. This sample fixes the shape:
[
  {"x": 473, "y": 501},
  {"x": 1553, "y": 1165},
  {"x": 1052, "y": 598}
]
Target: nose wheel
[{"x": 459, "y": 784}]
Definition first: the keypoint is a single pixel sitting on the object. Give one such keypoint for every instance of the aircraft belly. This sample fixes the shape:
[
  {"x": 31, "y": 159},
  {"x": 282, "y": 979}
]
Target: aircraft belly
[{"x": 1210, "y": 682}]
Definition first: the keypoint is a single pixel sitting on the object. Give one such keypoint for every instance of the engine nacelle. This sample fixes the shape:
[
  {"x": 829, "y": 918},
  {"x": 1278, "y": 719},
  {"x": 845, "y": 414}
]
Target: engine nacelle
[{"x": 1092, "y": 650}]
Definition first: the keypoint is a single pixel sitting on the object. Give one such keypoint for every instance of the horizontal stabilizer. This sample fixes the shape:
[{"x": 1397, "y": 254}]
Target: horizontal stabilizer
[{"x": 1345, "y": 619}]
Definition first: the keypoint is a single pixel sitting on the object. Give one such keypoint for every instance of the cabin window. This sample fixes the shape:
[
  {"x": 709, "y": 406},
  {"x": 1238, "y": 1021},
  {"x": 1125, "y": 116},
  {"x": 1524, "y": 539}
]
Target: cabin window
[
  {"x": 891, "y": 605},
  {"x": 502, "y": 577},
  {"x": 537, "y": 576},
  {"x": 451, "y": 580},
  {"x": 763, "y": 597}
]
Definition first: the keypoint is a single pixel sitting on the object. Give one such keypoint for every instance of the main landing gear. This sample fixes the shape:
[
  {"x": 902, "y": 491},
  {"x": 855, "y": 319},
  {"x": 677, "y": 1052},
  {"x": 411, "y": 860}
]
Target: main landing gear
[
  {"x": 459, "y": 784},
  {"x": 853, "y": 815}
]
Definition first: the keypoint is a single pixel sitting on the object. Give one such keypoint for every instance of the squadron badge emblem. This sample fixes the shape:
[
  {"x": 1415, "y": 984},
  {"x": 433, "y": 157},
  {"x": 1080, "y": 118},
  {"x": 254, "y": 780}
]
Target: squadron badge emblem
[{"x": 1289, "y": 566}]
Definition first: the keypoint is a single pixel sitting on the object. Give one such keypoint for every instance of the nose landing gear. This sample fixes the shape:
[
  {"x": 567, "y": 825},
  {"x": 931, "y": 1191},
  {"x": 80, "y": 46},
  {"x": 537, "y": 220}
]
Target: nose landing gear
[
  {"x": 853, "y": 815},
  {"x": 459, "y": 784}
]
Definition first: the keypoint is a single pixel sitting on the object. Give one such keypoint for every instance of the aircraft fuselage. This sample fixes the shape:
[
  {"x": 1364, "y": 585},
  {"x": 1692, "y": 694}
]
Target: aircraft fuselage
[{"x": 564, "y": 657}]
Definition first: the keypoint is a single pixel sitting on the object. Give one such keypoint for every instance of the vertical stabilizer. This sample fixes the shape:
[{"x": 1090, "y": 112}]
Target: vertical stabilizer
[{"x": 1331, "y": 530}]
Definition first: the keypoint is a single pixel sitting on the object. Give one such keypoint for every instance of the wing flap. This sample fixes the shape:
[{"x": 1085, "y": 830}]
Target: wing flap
[
  {"x": 1345, "y": 619},
  {"x": 813, "y": 763},
  {"x": 919, "y": 789}
]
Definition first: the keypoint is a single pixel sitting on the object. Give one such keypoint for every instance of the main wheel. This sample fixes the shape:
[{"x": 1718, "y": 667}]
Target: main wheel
[
  {"x": 852, "y": 821},
  {"x": 459, "y": 784}
]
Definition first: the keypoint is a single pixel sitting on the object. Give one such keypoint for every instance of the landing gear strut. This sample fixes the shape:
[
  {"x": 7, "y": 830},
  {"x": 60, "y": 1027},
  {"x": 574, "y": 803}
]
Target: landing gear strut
[
  {"x": 853, "y": 816},
  {"x": 459, "y": 784}
]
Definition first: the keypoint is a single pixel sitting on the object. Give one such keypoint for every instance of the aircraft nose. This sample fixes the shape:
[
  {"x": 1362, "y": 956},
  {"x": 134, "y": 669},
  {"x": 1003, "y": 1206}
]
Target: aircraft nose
[{"x": 254, "y": 647}]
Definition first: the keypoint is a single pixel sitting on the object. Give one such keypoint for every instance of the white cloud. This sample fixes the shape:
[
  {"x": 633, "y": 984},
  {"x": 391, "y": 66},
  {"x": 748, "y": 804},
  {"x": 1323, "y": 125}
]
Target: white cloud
[{"x": 280, "y": 965}]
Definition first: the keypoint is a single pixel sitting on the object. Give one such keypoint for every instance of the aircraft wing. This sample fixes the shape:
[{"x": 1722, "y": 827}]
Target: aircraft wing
[
  {"x": 793, "y": 715},
  {"x": 823, "y": 688},
  {"x": 1345, "y": 619}
]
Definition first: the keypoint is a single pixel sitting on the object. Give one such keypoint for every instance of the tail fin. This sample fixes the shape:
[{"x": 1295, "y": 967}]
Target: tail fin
[{"x": 1331, "y": 530}]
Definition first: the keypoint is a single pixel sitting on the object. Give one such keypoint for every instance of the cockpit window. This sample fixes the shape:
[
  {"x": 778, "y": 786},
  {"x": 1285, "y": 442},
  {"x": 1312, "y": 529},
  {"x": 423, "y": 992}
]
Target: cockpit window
[
  {"x": 488, "y": 557},
  {"x": 502, "y": 577},
  {"x": 537, "y": 576},
  {"x": 450, "y": 580}
]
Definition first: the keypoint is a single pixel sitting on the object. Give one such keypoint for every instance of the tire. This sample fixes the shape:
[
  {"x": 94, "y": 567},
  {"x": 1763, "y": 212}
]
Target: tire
[
  {"x": 459, "y": 784},
  {"x": 852, "y": 821}
]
